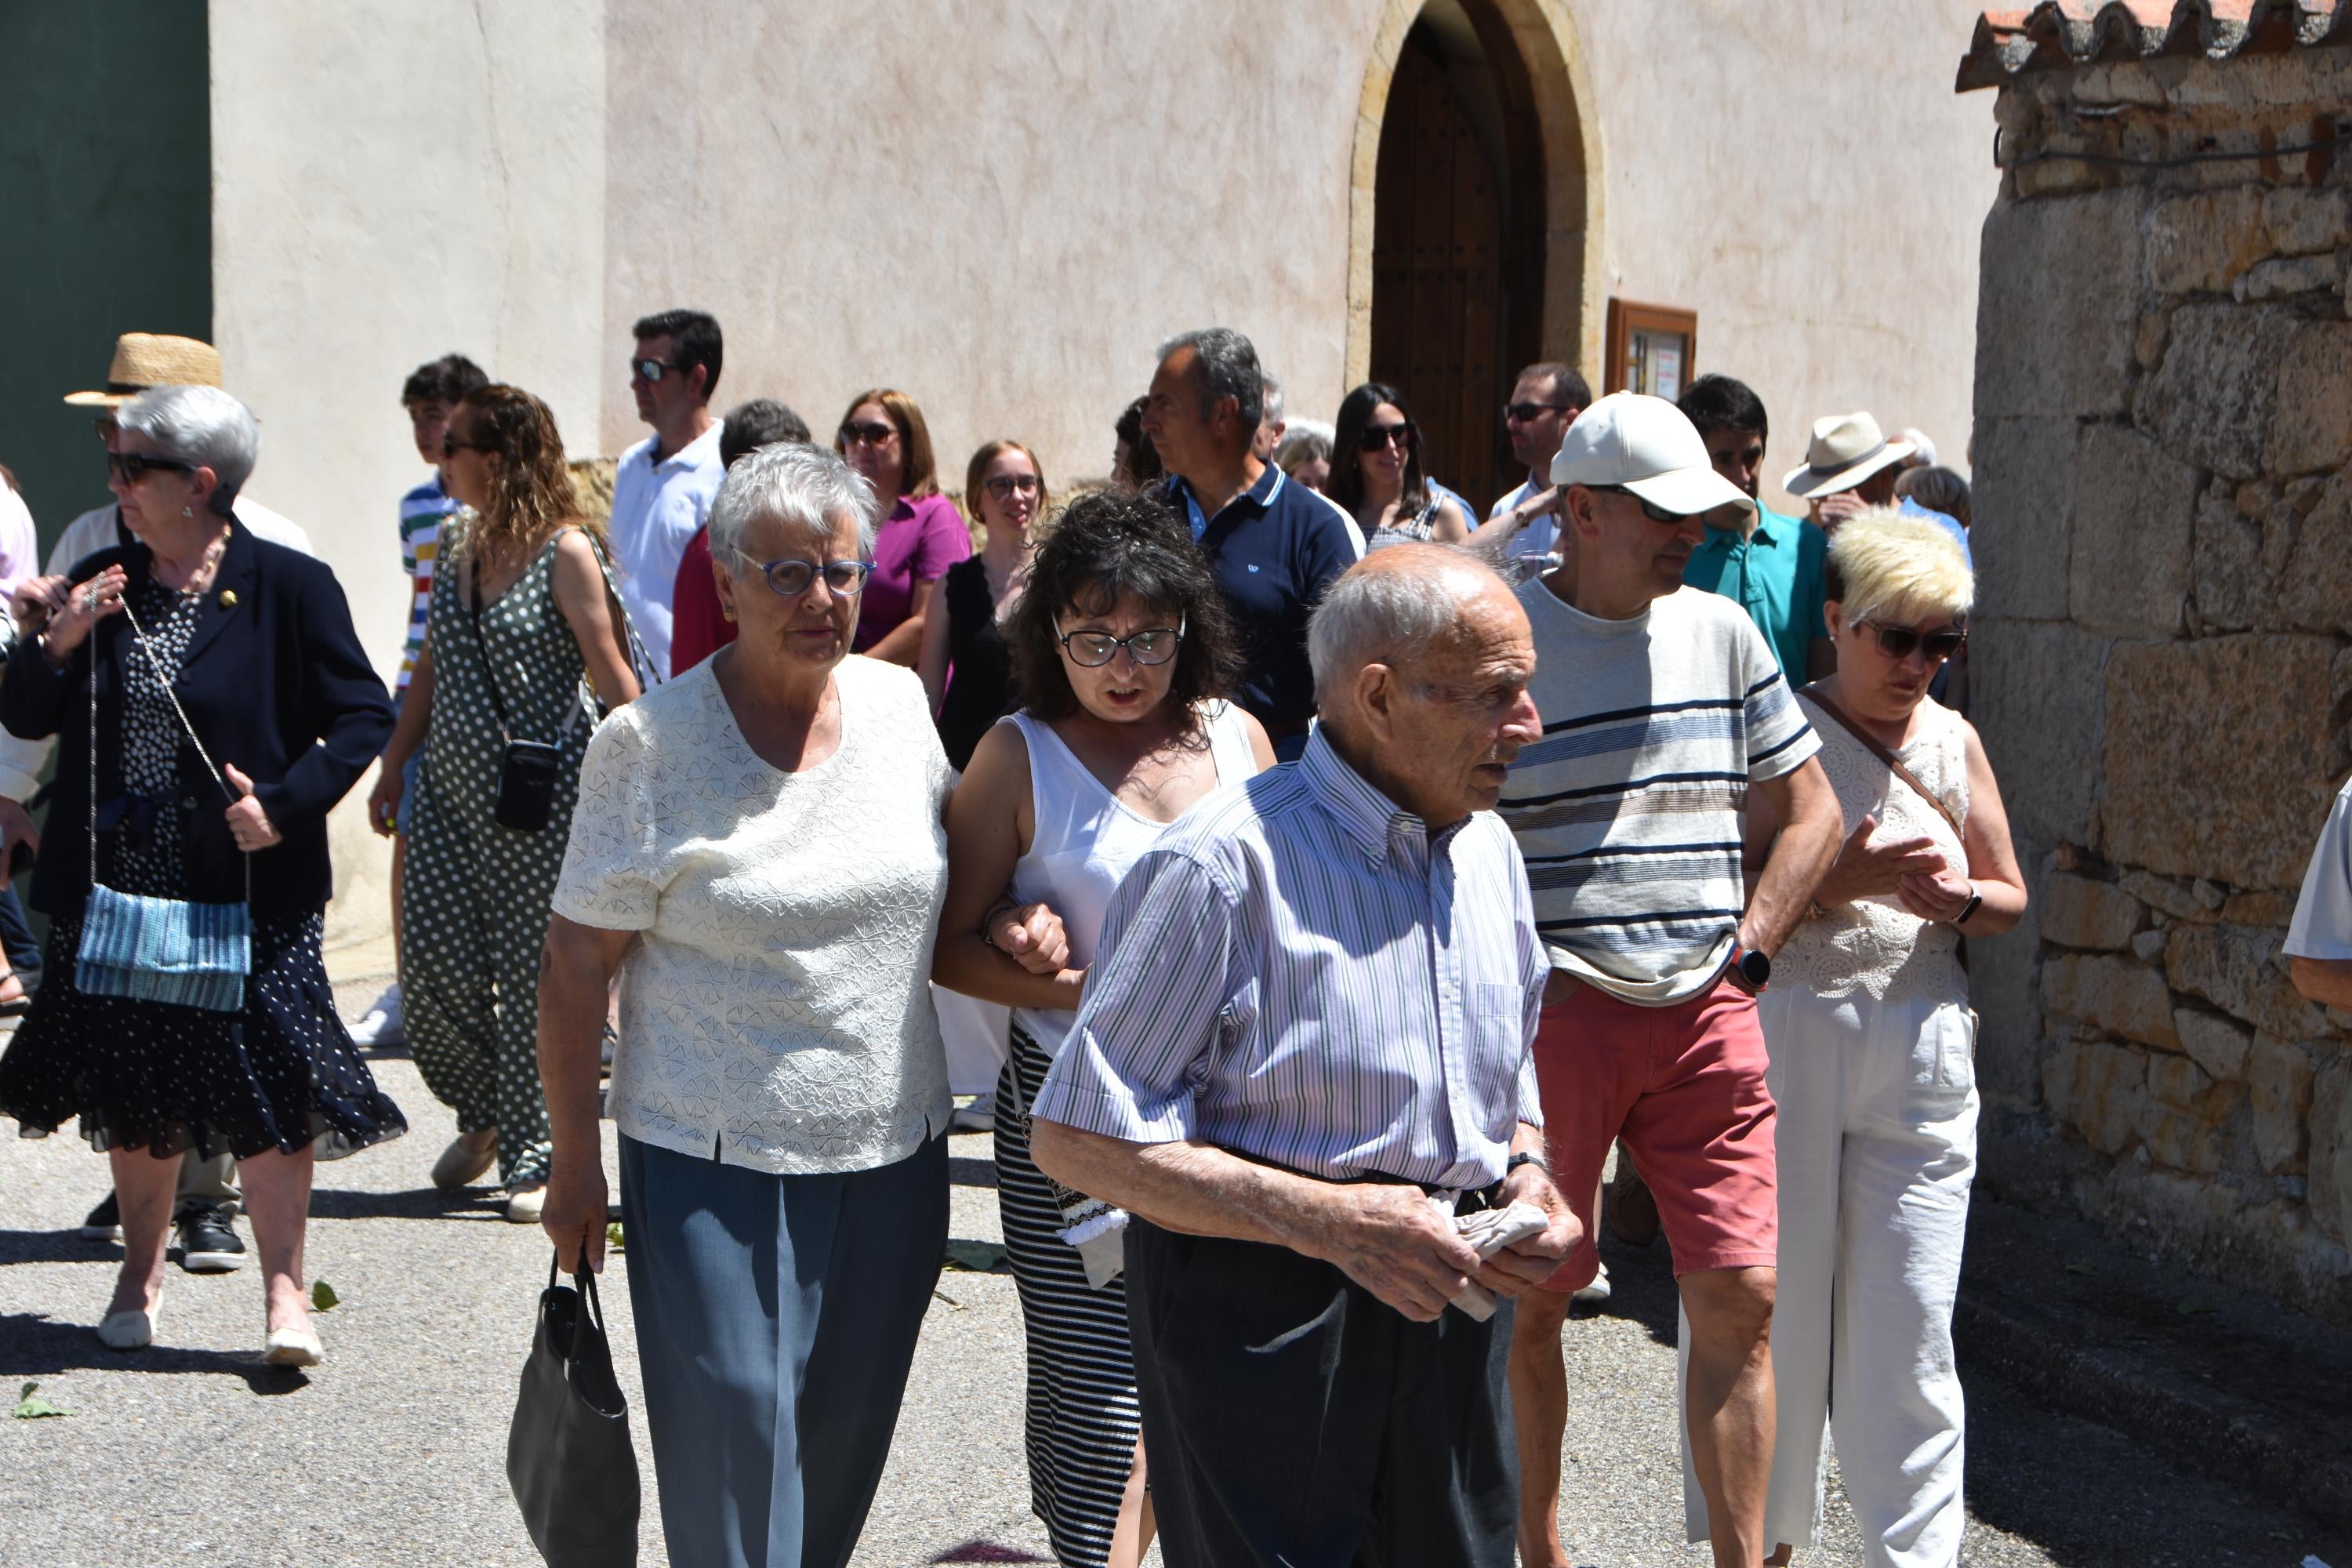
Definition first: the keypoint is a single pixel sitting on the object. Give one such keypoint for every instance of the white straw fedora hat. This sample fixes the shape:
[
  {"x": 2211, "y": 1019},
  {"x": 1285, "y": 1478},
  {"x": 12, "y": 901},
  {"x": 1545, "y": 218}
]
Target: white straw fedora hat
[
  {"x": 1846, "y": 449},
  {"x": 142, "y": 360},
  {"x": 1633, "y": 442}
]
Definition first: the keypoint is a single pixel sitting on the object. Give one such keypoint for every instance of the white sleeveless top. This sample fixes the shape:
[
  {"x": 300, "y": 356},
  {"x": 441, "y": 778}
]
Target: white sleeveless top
[
  {"x": 1874, "y": 945},
  {"x": 1086, "y": 838}
]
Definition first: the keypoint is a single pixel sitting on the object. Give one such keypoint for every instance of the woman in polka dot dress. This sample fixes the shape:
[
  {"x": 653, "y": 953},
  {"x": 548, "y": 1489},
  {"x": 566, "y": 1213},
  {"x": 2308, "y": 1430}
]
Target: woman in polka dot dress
[
  {"x": 254, "y": 644},
  {"x": 522, "y": 609}
]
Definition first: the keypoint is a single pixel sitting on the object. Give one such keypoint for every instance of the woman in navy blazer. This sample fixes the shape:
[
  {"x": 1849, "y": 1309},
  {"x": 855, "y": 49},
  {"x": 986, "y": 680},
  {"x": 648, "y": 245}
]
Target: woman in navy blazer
[{"x": 255, "y": 642}]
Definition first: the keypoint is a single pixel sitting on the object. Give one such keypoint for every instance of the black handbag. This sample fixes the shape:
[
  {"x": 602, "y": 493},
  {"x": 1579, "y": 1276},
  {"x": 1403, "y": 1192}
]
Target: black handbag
[{"x": 568, "y": 1455}]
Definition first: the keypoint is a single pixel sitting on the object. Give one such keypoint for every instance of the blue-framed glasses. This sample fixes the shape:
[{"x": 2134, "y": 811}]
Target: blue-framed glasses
[{"x": 789, "y": 579}]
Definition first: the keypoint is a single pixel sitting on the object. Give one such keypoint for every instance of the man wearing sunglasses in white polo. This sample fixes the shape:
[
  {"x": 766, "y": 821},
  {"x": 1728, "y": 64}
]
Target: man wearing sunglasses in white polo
[{"x": 663, "y": 488}]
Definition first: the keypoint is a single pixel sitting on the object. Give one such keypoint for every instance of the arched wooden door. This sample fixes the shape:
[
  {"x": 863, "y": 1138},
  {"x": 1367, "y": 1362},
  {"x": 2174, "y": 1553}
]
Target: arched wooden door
[
  {"x": 1457, "y": 257},
  {"x": 1437, "y": 284}
]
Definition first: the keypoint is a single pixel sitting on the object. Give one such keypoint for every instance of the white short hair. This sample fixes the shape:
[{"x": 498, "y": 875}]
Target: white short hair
[
  {"x": 201, "y": 426},
  {"x": 1391, "y": 616},
  {"x": 1270, "y": 401},
  {"x": 805, "y": 487}
]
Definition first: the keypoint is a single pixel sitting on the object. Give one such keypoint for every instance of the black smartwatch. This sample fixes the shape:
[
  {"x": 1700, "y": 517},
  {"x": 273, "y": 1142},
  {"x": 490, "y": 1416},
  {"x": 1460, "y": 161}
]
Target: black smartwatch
[
  {"x": 1525, "y": 1157},
  {"x": 1750, "y": 968}
]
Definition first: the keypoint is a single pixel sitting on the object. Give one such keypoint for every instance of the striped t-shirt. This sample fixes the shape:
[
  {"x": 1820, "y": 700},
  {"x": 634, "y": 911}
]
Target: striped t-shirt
[
  {"x": 1629, "y": 810},
  {"x": 423, "y": 510}
]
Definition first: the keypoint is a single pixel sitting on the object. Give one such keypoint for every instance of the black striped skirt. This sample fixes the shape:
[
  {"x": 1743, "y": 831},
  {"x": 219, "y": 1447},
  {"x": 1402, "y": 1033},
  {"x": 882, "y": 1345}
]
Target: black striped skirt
[{"x": 1083, "y": 1420}]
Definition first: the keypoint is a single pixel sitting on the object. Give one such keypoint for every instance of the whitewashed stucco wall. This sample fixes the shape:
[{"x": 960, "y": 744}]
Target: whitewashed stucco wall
[{"x": 1002, "y": 205}]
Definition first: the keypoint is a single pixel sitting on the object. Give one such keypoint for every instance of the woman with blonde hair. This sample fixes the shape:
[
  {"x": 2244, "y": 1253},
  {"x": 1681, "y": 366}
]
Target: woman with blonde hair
[
  {"x": 966, "y": 671},
  {"x": 884, "y": 439},
  {"x": 1873, "y": 1058},
  {"x": 524, "y": 622}
]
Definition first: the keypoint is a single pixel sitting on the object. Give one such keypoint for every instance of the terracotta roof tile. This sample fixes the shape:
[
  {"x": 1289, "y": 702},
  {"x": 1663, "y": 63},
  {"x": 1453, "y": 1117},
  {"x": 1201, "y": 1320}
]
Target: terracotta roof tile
[{"x": 2060, "y": 33}]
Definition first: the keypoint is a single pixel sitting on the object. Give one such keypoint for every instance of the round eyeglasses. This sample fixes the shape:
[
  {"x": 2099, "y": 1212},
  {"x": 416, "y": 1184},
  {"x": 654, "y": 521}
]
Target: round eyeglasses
[
  {"x": 1153, "y": 645},
  {"x": 789, "y": 579}
]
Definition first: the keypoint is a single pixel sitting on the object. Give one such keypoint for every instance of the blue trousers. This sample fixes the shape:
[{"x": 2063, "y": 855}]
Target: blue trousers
[{"x": 776, "y": 1321}]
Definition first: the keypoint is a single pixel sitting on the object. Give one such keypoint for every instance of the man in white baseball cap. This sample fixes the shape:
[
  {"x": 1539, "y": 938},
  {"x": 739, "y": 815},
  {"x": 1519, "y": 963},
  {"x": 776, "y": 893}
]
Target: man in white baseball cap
[{"x": 1662, "y": 707}]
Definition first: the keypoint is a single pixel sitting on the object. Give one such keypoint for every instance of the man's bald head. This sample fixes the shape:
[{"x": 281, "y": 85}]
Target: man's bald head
[{"x": 1422, "y": 658}]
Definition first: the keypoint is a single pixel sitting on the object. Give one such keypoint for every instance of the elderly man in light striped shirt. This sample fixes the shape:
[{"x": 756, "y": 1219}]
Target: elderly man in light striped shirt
[{"x": 1311, "y": 1015}]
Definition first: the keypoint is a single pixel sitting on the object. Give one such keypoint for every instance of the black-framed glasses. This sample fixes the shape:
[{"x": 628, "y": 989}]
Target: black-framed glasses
[
  {"x": 1004, "y": 486},
  {"x": 1153, "y": 645},
  {"x": 1526, "y": 413},
  {"x": 651, "y": 371},
  {"x": 131, "y": 467},
  {"x": 1380, "y": 438},
  {"x": 789, "y": 579},
  {"x": 1650, "y": 510},
  {"x": 1901, "y": 642},
  {"x": 867, "y": 433}
]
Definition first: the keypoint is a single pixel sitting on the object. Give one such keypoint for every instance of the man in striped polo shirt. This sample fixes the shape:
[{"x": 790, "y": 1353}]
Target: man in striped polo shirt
[
  {"x": 1661, "y": 707},
  {"x": 1308, "y": 1017}
]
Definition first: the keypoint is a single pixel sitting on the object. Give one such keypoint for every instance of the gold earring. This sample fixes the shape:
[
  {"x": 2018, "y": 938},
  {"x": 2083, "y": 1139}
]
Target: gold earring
[{"x": 728, "y": 611}]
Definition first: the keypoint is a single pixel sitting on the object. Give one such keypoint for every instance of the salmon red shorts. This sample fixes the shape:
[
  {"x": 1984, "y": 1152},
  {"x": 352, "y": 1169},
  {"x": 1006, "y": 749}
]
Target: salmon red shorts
[{"x": 1683, "y": 1085}]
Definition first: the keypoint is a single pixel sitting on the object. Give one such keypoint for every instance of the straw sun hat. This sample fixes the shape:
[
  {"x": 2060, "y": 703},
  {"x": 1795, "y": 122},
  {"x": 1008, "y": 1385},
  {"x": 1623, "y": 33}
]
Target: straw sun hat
[{"x": 142, "y": 360}]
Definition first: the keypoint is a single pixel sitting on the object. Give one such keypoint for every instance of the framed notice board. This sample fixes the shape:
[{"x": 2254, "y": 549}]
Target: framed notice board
[{"x": 1652, "y": 349}]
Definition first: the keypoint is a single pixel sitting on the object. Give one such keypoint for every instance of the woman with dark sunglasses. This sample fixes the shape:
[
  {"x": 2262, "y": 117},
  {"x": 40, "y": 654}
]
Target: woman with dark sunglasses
[
  {"x": 1124, "y": 652},
  {"x": 759, "y": 844},
  {"x": 1873, "y": 1046},
  {"x": 1377, "y": 473},
  {"x": 884, "y": 437}
]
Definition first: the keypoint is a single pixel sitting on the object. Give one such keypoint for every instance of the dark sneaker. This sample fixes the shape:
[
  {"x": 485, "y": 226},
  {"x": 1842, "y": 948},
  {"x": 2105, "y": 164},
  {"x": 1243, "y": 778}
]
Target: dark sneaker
[
  {"x": 208, "y": 1242},
  {"x": 103, "y": 1222}
]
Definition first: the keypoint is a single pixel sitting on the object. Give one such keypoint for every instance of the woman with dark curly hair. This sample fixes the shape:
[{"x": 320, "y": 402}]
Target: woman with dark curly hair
[
  {"x": 1378, "y": 476},
  {"x": 1123, "y": 647},
  {"x": 524, "y": 622}
]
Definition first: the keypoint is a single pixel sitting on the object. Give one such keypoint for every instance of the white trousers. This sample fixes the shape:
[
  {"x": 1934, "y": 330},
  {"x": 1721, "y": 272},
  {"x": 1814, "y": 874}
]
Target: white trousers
[
  {"x": 1878, "y": 1146},
  {"x": 975, "y": 1034}
]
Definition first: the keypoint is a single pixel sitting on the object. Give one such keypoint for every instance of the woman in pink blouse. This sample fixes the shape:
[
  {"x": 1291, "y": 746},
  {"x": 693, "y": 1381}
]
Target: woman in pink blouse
[{"x": 884, "y": 439}]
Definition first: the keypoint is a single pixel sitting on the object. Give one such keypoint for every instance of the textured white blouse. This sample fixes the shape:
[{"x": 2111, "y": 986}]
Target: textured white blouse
[{"x": 774, "y": 1013}]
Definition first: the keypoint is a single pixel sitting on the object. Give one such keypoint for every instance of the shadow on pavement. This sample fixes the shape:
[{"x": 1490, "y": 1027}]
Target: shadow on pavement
[
  {"x": 34, "y": 1345},
  {"x": 965, "y": 1172},
  {"x": 422, "y": 1203},
  {"x": 55, "y": 1246}
]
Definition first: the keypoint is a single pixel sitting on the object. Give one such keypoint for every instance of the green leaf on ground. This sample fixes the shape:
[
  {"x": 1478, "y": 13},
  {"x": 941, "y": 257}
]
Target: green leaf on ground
[
  {"x": 2195, "y": 1310},
  {"x": 976, "y": 1256},
  {"x": 613, "y": 1241},
  {"x": 322, "y": 1296},
  {"x": 31, "y": 1407},
  {"x": 2079, "y": 1267}
]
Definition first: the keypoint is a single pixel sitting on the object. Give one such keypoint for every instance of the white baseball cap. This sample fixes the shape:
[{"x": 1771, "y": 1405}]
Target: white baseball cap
[{"x": 1645, "y": 445}]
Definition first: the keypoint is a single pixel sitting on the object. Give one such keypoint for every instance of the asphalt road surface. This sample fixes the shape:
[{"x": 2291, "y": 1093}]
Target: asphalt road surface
[{"x": 393, "y": 1452}]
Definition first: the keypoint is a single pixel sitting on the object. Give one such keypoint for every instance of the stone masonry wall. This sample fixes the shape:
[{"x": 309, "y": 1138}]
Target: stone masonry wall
[{"x": 2163, "y": 655}]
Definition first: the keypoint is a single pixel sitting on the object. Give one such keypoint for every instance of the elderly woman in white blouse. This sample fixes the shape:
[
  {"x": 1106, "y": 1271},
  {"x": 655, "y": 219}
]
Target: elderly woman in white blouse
[
  {"x": 758, "y": 848},
  {"x": 1873, "y": 1048}
]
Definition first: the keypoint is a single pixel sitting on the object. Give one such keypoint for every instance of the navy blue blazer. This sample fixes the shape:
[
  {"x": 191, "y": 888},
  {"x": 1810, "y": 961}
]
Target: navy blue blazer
[{"x": 276, "y": 682}]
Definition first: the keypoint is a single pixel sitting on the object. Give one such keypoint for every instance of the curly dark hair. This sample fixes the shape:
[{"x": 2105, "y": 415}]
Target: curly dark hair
[{"x": 1108, "y": 544}]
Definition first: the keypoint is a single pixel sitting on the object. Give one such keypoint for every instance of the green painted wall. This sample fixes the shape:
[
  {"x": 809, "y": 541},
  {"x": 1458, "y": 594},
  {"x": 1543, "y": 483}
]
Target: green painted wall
[{"x": 105, "y": 217}]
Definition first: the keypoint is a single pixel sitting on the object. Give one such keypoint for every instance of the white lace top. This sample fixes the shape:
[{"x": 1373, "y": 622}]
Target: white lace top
[
  {"x": 1874, "y": 945},
  {"x": 774, "y": 1013}
]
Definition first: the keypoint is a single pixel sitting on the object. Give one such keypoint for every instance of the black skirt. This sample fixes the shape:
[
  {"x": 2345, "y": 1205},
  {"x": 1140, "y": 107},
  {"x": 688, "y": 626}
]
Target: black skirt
[{"x": 280, "y": 1074}]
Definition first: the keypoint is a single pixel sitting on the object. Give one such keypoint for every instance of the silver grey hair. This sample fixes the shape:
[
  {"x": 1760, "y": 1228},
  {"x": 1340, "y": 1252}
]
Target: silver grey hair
[
  {"x": 198, "y": 425},
  {"x": 1270, "y": 401},
  {"x": 1390, "y": 617},
  {"x": 805, "y": 487},
  {"x": 1227, "y": 365}
]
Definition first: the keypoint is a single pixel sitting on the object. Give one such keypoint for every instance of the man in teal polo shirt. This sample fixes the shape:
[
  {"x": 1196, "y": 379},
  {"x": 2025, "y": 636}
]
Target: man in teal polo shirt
[{"x": 1770, "y": 564}]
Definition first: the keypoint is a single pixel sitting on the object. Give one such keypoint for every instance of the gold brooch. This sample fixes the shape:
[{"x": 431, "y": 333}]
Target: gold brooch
[{"x": 228, "y": 598}]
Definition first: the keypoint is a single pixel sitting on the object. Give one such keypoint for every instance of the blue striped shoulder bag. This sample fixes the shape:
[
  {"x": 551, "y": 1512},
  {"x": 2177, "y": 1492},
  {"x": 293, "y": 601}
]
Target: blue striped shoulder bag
[{"x": 160, "y": 950}]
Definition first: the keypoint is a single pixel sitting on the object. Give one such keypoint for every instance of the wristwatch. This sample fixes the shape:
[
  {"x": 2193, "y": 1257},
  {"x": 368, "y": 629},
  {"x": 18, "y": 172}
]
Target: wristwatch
[
  {"x": 1752, "y": 969},
  {"x": 1975, "y": 899},
  {"x": 1525, "y": 1157}
]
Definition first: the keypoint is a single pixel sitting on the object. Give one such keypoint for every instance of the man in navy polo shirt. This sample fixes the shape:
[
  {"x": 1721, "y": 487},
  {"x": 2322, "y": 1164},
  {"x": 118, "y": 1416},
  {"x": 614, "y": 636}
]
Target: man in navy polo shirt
[{"x": 1273, "y": 545}]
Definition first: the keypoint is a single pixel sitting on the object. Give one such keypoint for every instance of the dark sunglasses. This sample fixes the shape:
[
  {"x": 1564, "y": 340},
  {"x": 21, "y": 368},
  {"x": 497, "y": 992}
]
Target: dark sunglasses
[
  {"x": 1378, "y": 437},
  {"x": 1526, "y": 413},
  {"x": 1655, "y": 513},
  {"x": 1004, "y": 486},
  {"x": 104, "y": 426},
  {"x": 651, "y": 371},
  {"x": 451, "y": 445},
  {"x": 1901, "y": 642},
  {"x": 130, "y": 468},
  {"x": 790, "y": 579},
  {"x": 1154, "y": 645},
  {"x": 867, "y": 433}
]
